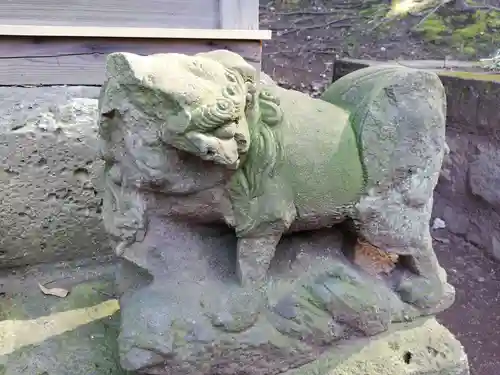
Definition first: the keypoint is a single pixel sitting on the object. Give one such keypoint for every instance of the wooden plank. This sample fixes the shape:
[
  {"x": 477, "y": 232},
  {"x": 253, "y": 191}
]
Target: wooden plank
[
  {"x": 132, "y": 32},
  {"x": 200, "y": 14},
  {"x": 239, "y": 14},
  {"x": 70, "y": 61}
]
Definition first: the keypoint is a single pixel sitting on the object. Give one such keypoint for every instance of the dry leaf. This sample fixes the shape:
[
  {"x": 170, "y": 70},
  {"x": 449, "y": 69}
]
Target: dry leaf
[
  {"x": 374, "y": 260},
  {"x": 58, "y": 292}
]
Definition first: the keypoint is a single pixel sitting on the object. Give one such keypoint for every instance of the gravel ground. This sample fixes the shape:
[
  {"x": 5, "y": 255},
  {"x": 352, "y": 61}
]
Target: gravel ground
[{"x": 475, "y": 316}]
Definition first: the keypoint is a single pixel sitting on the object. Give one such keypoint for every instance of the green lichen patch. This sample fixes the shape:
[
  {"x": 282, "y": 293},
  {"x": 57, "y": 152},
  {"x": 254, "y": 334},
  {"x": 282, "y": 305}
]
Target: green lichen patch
[
  {"x": 373, "y": 10},
  {"x": 375, "y": 20},
  {"x": 473, "y": 75},
  {"x": 470, "y": 34},
  {"x": 433, "y": 349}
]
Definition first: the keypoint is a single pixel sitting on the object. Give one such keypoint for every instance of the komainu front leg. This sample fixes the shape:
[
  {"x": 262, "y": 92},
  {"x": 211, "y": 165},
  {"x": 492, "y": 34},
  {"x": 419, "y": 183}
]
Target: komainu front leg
[
  {"x": 254, "y": 256},
  {"x": 263, "y": 210}
]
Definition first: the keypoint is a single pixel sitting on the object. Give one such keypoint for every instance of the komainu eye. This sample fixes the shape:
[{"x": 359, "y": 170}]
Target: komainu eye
[{"x": 217, "y": 113}]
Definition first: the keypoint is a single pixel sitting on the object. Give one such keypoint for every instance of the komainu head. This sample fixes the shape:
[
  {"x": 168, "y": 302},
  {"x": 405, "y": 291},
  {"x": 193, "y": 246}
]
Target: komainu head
[{"x": 196, "y": 104}]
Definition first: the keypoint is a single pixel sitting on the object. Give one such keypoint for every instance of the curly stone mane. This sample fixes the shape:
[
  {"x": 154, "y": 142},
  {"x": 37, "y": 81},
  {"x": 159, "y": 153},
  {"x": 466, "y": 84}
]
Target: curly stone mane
[{"x": 263, "y": 160}]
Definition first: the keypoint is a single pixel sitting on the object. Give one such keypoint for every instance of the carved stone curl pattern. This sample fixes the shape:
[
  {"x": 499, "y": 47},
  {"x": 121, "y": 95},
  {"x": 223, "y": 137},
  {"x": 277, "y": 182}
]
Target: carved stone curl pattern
[
  {"x": 264, "y": 158},
  {"x": 206, "y": 171}
]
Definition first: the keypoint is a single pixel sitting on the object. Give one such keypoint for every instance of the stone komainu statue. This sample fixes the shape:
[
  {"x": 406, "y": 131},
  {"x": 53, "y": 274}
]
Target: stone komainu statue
[{"x": 196, "y": 140}]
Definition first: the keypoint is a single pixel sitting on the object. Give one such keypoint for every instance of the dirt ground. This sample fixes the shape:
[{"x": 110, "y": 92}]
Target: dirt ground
[
  {"x": 309, "y": 35},
  {"x": 475, "y": 316}
]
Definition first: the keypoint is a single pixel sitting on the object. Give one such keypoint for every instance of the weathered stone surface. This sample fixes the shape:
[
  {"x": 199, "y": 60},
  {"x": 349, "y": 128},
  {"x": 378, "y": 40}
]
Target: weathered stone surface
[
  {"x": 467, "y": 199},
  {"x": 201, "y": 163},
  {"x": 456, "y": 222},
  {"x": 59, "y": 336},
  {"x": 466, "y": 196},
  {"x": 472, "y": 98},
  {"x": 423, "y": 347},
  {"x": 50, "y": 198},
  {"x": 198, "y": 282},
  {"x": 495, "y": 245},
  {"x": 484, "y": 177},
  {"x": 77, "y": 335}
]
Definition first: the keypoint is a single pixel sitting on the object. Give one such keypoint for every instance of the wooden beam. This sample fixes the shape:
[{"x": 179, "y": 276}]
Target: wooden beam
[
  {"x": 239, "y": 14},
  {"x": 200, "y": 14},
  {"x": 132, "y": 32},
  {"x": 69, "y": 61}
]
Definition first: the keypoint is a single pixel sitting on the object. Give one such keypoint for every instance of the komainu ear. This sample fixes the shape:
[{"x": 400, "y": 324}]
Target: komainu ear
[{"x": 234, "y": 62}]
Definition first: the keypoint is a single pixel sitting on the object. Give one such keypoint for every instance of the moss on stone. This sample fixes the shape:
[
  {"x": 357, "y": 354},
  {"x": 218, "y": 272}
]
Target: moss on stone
[
  {"x": 469, "y": 51},
  {"x": 433, "y": 348},
  {"x": 473, "y": 75},
  {"x": 470, "y": 34},
  {"x": 434, "y": 28},
  {"x": 373, "y": 10}
]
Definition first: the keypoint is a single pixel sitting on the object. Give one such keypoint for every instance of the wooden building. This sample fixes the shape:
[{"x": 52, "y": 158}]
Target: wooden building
[{"x": 54, "y": 42}]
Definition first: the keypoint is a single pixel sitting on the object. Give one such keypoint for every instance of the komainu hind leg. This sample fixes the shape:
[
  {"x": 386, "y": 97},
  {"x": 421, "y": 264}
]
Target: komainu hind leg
[{"x": 387, "y": 223}]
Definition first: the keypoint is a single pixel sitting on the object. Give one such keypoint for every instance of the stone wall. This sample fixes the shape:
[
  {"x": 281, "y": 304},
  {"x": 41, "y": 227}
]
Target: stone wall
[
  {"x": 49, "y": 197},
  {"x": 468, "y": 194}
]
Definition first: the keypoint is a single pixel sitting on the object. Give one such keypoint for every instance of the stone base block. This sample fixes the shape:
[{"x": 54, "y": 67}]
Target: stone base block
[{"x": 423, "y": 347}]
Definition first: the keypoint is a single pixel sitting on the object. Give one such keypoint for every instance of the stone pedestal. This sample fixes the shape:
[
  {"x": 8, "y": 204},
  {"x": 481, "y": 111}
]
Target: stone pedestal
[
  {"x": 423, "y": 347},
  {"x": 77, "y": 335}
]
